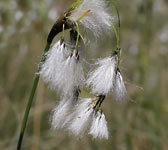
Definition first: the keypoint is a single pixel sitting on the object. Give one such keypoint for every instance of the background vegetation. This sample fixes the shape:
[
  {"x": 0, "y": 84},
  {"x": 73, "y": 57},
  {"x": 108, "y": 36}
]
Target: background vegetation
[{"x": 141, "y": 123}]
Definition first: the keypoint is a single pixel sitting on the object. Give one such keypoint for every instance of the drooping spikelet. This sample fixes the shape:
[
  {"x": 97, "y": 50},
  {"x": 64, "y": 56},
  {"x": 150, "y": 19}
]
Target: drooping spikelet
[
  {"x": 101, "y": 79},
  {"x": 61, "y": 112},
  {"x": 62, "y": 69},
  {"x": 97, "y": 17},
  {"x": 119, "y": 90},
  {"x": 82, "y": 117},
  {"x": 71, "y": 75},
  {"x": 53, "y": 64},
  {"x": 99, "y": 126}
]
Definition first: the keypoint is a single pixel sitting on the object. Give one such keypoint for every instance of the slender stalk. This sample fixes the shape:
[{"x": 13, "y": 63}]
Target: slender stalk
[
  {"x": 29, "y": 103},
  {"x": 117, "y": 37},
  {"x": 118, "y": 45},
  {"x": 117, "y": 34},
  {"x": 119, "y": 26}
]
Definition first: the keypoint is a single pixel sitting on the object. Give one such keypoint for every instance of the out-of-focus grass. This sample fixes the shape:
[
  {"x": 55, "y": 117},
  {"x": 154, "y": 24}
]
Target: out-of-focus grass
[{"x": 139, "y": 123}]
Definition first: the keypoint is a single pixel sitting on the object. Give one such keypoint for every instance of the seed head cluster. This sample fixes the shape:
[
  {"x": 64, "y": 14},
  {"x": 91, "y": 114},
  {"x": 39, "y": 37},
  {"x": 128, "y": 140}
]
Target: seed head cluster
[{"x": 63, "y": 72}]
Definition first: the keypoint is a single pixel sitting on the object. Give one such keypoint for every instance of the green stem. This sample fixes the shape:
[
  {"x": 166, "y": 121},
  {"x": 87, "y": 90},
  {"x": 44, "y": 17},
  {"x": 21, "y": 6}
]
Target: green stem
[
  {"x": 117, "y": 36},
  {"x": 29, "y": 104},
  {"x": 118, "y": 45}
]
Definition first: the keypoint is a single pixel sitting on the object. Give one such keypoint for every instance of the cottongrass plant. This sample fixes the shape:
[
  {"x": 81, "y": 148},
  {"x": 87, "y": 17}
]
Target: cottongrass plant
[{"x": 61, "y": 67}]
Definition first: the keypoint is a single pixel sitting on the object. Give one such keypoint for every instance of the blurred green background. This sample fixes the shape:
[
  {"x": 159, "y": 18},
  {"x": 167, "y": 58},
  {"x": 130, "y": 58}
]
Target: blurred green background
[{"x": 140, "y": 123}]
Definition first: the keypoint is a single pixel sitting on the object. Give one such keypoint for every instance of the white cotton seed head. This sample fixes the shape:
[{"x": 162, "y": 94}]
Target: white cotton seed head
[
  {"x": 99, "y": 127},
  {"x": 53, "y": 64},
  {"x": 119, "y": 90},
  {"x": 97, "y": 20},
  {"x": 82, "y": 117},
  {"x": 102, "y": 78},
  {"x": 71, "y": 75},
  {"x": 61, "y": 112},
  {"x": 62, "y": 70}
]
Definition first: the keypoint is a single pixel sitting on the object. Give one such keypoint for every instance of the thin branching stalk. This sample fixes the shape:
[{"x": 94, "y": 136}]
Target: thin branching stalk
[
  {"x": 117, "y": 34},
  {"x": 118, "y": 45}
]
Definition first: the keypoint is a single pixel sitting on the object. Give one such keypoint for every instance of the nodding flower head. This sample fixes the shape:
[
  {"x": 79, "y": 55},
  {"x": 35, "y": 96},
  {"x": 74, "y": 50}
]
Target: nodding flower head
[
  {"x": 93, "y": 15},
  {"x": 53, "y": 64},
  {"x": 99, "y": 126},
  {"x": 82, "y": 116},
  {"x": 63, "y": 68},
  {"x": 119, "y": 90},
  {"x": 71, "y": 74},
  {"x": 61, "y": 112},
  {"x": 87, "y": 115},
  {"x": 101, "y": 79}
]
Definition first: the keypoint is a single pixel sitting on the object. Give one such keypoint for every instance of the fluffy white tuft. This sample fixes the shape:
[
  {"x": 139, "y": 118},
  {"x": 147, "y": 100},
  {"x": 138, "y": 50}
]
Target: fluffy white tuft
[
  {"x": 62, "y": 69},
  {"x": 53, "y": 64},
  {"x": 101, "y": 79},
  {"x": 99, "y": 127},
  {"x": 119, "y": 90},
  {"x": 71, "y": 75},
  {"x": 97, "y": 20},
  {"x": 82, "y": 117},
  {"x": 61, "y": 112}
]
